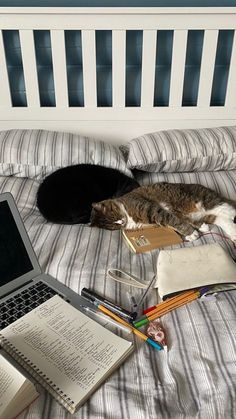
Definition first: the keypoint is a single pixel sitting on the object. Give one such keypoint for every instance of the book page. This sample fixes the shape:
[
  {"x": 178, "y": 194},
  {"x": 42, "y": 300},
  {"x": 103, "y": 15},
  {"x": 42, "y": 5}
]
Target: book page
[
  {"x": 72, "y": 350},
  {"x": 11, "y": 381}
]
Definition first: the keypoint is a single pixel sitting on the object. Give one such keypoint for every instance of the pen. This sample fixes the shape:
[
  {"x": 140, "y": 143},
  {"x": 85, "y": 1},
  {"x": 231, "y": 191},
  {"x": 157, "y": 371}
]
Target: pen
[
  {"x": 151, "y": 310},
  {"x": 151, "y": 342},
  {"x": 106, "y": 318},
  {"x": 176, "y": 299},
  {"x": 98, "y": 299},
  {"x": 165, "y": 310},
  {"x": 146, "y": 291}
]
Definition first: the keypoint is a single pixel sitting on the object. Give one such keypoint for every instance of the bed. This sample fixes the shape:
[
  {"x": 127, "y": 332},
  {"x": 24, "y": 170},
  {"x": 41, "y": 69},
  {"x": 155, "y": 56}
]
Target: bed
[{"x": 191, "y": 140}]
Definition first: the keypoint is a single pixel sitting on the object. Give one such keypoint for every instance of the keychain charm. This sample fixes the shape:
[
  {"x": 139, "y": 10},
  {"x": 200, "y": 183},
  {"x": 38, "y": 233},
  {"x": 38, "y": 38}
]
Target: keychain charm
[{"x": 156, "y": 332}]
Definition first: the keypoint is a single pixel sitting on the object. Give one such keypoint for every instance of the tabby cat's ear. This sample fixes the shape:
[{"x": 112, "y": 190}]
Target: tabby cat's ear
[{"x": 99, "y": 206}]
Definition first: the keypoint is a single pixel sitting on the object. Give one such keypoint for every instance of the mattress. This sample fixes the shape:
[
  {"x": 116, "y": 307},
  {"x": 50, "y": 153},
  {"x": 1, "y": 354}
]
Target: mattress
[{"x": 196, "y": 377}]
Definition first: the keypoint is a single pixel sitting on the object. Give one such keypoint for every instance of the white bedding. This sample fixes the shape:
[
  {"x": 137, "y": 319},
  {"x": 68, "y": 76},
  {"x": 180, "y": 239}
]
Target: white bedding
[{"x": 196, "y": 378}]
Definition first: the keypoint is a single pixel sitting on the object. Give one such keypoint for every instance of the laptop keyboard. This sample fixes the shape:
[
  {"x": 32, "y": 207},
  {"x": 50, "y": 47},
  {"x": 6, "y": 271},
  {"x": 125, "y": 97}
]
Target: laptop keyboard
[{"x": 22, "y": 303}]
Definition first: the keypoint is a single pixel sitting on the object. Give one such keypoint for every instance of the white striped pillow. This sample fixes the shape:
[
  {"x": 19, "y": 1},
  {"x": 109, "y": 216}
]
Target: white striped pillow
[
  {"x": 37, "y": 153},
  {"x": 208, "y": 149}
]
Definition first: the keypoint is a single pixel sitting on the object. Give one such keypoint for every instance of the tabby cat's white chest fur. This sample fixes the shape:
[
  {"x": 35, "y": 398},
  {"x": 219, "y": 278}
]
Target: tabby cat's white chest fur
[{"x": 130, "y": 223}]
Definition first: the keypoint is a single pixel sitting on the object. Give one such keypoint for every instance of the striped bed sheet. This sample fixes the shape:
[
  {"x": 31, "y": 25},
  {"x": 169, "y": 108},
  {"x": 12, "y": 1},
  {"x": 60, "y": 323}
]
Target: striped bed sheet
[{"x": 196, "y": 377}]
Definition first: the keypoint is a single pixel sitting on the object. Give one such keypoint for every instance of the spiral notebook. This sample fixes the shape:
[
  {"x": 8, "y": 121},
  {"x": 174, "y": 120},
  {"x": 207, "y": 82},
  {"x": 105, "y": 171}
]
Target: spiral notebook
[{"x": 68, "y": 353}]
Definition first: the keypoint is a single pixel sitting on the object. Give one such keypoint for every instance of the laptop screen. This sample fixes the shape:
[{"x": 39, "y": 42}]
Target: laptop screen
[{"x": 14, "y": 259}]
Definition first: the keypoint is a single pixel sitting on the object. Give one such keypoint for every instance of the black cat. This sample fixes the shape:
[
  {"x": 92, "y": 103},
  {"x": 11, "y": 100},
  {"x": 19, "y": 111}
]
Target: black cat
[{"x": 66, "y": 196}]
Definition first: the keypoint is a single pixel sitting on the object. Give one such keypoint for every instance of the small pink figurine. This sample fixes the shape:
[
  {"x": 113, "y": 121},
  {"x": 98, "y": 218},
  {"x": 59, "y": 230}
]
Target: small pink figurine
[{"x": 156, "y": 332}]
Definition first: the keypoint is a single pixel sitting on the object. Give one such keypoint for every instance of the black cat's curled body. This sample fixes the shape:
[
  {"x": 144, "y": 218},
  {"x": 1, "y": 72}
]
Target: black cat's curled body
[{"x": 66, "y": 195}]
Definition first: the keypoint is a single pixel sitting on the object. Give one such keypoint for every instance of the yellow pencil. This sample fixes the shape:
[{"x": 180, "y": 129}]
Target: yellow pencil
[{"x": 134, "y": 330}]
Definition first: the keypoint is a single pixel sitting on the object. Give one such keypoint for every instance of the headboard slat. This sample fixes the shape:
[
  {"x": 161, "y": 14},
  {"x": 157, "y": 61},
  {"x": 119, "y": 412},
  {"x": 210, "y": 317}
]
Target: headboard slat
[
  {"x": 121, "y": 72},
  {"x": 29, "y": 66},
  {"x": 5, "y": 96},
  {"x": 207, "y": 67},
  {"x": 89, "y": 68},
  {"x": 148, "y": 67},
  {"x": 59, "y": 67},
  {"x": 230, "y": 99},
  {"x": 178, "y": 67},
  {"x": 118, "y": 67}
]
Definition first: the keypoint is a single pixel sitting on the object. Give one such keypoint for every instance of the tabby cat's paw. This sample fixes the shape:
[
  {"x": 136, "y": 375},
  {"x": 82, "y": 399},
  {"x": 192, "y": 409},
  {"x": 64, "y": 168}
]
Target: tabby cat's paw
[
  {"x": 204, "y": 228},
  {"x": 192, "y": 237}
]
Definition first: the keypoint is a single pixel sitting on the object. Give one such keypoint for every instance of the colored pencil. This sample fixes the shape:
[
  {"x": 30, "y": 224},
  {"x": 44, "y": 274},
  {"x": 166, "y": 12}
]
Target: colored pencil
[{"x": 151, "y": 342}]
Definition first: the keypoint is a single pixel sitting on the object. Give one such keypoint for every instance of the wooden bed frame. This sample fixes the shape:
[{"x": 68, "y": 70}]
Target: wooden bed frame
[{"x": 118, "y": 123}]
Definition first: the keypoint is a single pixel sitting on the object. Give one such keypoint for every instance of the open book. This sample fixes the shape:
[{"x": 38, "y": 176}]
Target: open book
[
  {"x": 149, "y": 238},
  {"x": 64, "y": 350},
  {"x": 16, "y": 391}
]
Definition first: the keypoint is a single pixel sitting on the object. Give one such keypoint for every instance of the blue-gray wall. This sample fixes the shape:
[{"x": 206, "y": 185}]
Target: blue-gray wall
[{"x": 118, "y": 3}]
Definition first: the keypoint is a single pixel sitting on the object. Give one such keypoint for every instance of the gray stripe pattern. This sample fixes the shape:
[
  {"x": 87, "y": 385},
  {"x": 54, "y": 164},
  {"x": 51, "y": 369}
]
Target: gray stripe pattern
[
  {"x": 37, "y": 153},
  {"x": 196, "y": 378},
  {"x": 208, "y": 149}
]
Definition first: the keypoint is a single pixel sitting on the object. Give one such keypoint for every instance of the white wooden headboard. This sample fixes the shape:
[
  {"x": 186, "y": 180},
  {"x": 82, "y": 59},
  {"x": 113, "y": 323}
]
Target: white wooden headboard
[{"x": 117, "y": 123}]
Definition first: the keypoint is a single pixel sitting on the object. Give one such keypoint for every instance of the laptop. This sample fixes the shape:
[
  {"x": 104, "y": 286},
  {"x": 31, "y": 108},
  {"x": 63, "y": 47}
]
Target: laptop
[{"x": 23, "y": 285}]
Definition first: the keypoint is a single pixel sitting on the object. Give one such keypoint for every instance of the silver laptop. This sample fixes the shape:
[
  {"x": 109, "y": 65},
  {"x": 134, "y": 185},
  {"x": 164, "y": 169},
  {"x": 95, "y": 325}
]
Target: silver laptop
[{"x": 23, "y": 285}]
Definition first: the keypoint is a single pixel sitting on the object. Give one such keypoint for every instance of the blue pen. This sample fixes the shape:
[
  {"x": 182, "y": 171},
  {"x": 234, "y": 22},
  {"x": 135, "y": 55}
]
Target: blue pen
[{"x": 155, "y": 344}]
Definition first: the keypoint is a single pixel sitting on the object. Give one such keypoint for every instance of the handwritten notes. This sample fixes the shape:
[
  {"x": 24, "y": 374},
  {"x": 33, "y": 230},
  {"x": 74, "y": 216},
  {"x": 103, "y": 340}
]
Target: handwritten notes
[{"x": 66, "y": 347}]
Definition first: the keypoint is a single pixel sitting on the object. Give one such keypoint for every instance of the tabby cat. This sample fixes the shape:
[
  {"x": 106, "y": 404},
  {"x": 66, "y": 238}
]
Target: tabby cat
[{"x": 188, "y": 208}]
